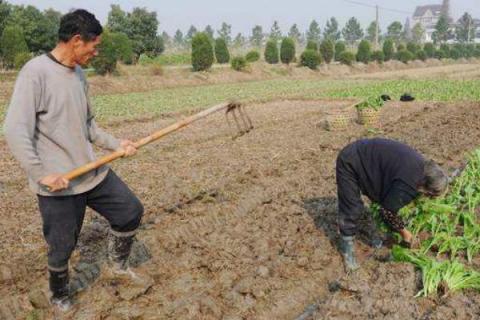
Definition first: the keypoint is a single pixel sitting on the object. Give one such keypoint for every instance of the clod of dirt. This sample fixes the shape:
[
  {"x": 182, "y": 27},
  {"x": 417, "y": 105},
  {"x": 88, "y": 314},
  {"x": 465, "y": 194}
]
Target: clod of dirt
[
  {"x": 39, "y": 300},
  {"x": 6, "y": 274},
  {"x": 263, "y": 271},
  {"x": 135, "y": 289}
]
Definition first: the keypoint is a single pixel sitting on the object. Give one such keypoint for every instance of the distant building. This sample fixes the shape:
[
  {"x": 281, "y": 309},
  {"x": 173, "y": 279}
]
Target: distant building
[
  {"x": 428, "y": 17},
  {"x": 476, "y": 22}
]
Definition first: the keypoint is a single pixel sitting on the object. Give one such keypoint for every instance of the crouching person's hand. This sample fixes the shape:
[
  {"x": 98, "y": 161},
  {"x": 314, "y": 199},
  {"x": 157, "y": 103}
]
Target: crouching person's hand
[
  {"x": 54, "y": 182},
  {"x": 408, "y": 241}
]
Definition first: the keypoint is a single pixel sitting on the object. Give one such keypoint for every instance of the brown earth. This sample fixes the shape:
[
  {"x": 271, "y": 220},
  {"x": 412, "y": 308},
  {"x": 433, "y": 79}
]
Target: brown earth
[{"x": 238, "y": 229}]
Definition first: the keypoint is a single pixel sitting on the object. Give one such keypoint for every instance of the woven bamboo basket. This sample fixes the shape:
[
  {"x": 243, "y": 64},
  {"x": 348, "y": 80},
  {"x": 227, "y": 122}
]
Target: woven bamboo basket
[
  {"x": 368, "y": 116},
  {"x": 338, "y": 122}
]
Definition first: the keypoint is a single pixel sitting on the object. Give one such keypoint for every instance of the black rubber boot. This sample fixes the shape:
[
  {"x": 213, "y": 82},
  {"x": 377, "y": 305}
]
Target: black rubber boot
[
  {"x": 119, "y": 248},
  {"x": 348, "y": 253},
  {"x": 59, "y": 281}
]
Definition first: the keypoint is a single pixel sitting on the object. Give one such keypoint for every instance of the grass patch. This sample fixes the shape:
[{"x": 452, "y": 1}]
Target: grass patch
[
  {"x": 423, "y": 90},
  {"x": 112, "y": 108},
  {"x": 133, "y": 105},
  {"x": 174, "y": 59}
]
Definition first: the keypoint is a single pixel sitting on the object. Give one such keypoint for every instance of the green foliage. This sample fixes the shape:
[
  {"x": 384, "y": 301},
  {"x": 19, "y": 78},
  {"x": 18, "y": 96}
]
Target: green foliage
[
  {"x": 441, "y": 54},
  {"x": 225, "y": 32},
  {"x": 21, "y": 58},
  {"x": 209, "y": 31},
  {"x": 271, "y": 52},
  {"x": 404, "y": 56},
  {"x": 174, "y": 59},
  {"x": 12, "y": 43},
  {"x": 327, "y": 50},
  {"x": 389, "y": 49},
  {"x": 476, "y": 53},
  {"x": 140, "y": 26},
  {"x": 239, "y": 41},
  {"x": 238, "y": 63},
  {"x": 339, "y": 48},
  {"x": 347, "y": 58},
  {"x": 106, "y": 61},
  {"x": 275, "y": 32},
  {"x": 441, "y": 33},
  {"x": 295, "y": 34},
  {"x": 445, "y": 47},
  {"x": 178, "y": 39},
  {"x": 452, "y": 230},
  {"x": 425, "y": 90},
  {"x": 461, "y": 50},
  {"x": 192, "y": 31},
  {"x": 455, "y": 54},
  {"x": 202, "y": 52},
  {"x": 429, "y": 49},
  {"x": 252, "y": 56},
  {"x": 310, "y": 59},
  {"x": 287, "y": 50},
  {"x": 312, "y": 45},
  {"x": 465, "y": 28},
  {"x": 418, "y": 33},
  {"x": 221, "y": 51},
  {"x": 413, "y": 47},
  {"x": 470, "y": 50},
  {"x": 5, "y": 11},
  {"x": 123, "y": 46},
  {"x": 401, "y": 47},
  {"x": 378, "y": 56},
  {"x": 394, "y": 31},
  {"x": 257, "y": 36},
  {"x": 352, "y": 32},
  {"x": 331, "y": 31},
  {"x": 39, "y": 29},
  {"x": 372, "y": 31},
  {"x": 421, "y": 55},
  {"x": 374, "y": 103},
  {"x": 114, "y": 107},
  {"x": 144, "y": 60},
  {"x": 364, "y": 51},
  {"x": 313, "y": 33}
]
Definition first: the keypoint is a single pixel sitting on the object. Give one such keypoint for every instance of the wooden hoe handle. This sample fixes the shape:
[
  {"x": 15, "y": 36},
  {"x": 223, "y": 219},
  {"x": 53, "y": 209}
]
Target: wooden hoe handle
[{"x": 140, "y": 143}]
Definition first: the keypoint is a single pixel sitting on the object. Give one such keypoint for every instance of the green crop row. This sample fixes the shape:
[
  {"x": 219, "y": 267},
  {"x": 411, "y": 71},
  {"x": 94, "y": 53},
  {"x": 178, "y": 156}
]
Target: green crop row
[
  {"x": 424, "y": 90},
  {"x": 148, "y": 104},
  {"x": 450, "y": 234}
]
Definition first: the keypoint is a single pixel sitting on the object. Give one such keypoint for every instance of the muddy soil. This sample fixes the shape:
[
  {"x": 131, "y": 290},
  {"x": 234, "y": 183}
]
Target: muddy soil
[{"x": 238, "y": 229}]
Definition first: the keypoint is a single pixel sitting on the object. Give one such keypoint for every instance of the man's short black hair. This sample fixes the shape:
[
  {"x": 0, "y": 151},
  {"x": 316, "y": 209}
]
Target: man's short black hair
[{"x": 79, "y": 22}]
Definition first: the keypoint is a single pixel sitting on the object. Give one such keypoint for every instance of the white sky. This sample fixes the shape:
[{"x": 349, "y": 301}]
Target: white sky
[{"x": 244, "y": 14}]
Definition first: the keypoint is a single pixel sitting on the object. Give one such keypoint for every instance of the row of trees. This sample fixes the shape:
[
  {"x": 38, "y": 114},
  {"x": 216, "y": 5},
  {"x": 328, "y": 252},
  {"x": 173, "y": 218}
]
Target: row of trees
[
  {"x": 27, "y": 31},
  {"x": 352, "y": 33},
  {"x": 327, "y": 51}
]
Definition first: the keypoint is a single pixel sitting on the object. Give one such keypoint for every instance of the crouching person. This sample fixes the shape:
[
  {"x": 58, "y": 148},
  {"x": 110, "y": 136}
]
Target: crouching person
[
  {"x": 389, "y": 173},
  {"x": 50, "y": 130}
]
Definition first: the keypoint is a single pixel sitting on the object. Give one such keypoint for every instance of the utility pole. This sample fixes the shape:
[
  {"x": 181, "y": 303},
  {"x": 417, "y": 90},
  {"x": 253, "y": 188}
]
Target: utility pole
[
  {"x": 468, "y": 29},
  {"x": 376, "y": 28}
]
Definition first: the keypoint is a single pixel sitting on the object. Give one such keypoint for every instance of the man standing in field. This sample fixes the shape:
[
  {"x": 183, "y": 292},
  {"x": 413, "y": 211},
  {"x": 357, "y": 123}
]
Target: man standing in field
[
  {"x": 50, "y": 130},
  {"x": 389, "y": 173}
]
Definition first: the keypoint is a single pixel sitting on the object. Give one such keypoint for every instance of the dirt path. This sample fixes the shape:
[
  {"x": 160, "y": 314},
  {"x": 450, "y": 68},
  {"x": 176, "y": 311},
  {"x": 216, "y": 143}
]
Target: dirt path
[{"x": 240, "y": 229}]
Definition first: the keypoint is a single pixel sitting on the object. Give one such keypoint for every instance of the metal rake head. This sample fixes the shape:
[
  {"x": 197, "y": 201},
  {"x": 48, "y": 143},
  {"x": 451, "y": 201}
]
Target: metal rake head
[{"x": 240, "y": 117}]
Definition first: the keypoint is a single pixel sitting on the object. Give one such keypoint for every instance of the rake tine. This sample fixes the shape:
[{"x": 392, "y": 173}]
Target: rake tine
[
  {"x": 245, "y": 118},
  {"x": 235, "y": 132},
  {"x": 239, "y": 126},
  {"x": 231, "y": 109}
]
